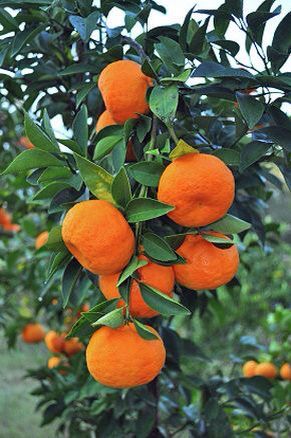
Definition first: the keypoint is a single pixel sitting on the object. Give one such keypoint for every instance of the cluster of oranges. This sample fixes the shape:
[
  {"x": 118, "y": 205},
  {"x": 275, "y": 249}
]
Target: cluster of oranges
[
  {"x": 252, "y": 368},
  {"x": 200, "y": 187},
  {"x": 56, "y": 342},
  {"x": 5, "y": 221}
]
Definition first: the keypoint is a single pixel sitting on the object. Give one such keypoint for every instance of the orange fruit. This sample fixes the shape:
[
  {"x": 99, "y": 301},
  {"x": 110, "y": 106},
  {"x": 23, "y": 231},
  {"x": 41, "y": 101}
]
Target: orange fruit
[
  {"x": 32, "y": 333},
  {"x": 266, "y": 369},
  {"x": 199, "y": 186},
  {"x": 41, "y": 239},
  {"x": 55, "y": 341},
  {"x": 285, "y": 371},
  {"x": 249, "y": 368},
  {"x": 5, "y": 221},
  {"x": 207, "y": 266},
  {"x": 72, "y": 346},
  {"x": 157, "y": 276},
  {"x": 105, "y": 119},
  {"x": 53, "y": 362},
  {"x": 25, "y": 142},
  {"x": 123, "y": 87},
  {"x": 120, "y": 358},
  {"x": 97, "y": 234}
]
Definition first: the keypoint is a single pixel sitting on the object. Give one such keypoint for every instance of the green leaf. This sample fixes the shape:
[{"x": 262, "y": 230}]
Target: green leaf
[
  {"x": 278, "y": 135},
  {"x": 251, "y": 109},
  {"x": 85, "y": 26},
  {"x": 82, "y": 93},
  {"x": 48, "y": 128},
  {"x": 96, "y": 178},
  {"x": 55, "y": 240},
  {"x": 161, "y": 302},
  {"x": 82, "y": 327},
  {"x": 78, "y": 68},
  {"x": 105, "y": 146},
  {"x": 32, "y": 159},
  {"x": 112, "y": 319},
  {"x": 184, "y": 30},
  {"x": 182, "y": 148},
  {"x": 222, "y": 242},
  {"x": 282, "y": 37},
  {"x": 54, "y": 173},
  {"x": 80, "y": 129},
  {"x": 157, "y": 247},
  {"x": 143, "y": 209},
  {"x": 37, "y": 136},
  {"x": 147, "y": 173},
  {"x": 133, "y": 265},
  {"x": 171, "y": 54},
  {"x": 121, "y": 190},
  {"x": 229, "y": 225},
  {"x": 164, "y": 102},
  {"x": 22, "y": 38},
  {"x": 257, "y": 21},
  {"x": 143, "y": 331},
  {"x": 210, "y": 69},
  {"x": 69, "y": 279},
  {"x": 57, "y": 262},
  {"x": 252, "y": 152},
  {"x": 231, "y": 157},
  {"x": 50, "y": 190},
  {"x": 71, "y": 144},
  {"x": 198, "y": 40},
  {"x": 183, "y": 77}
]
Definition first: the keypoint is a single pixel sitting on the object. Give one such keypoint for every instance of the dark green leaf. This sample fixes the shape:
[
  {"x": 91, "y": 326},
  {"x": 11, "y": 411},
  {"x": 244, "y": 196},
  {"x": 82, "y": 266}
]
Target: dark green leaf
[
  {"x": 105, "y": 145},
  {"x": 70, "y": 277},
  {"x": 31, "y": 159},
  {"x": 210, "y": 69},
  {"x": 144, "y": 331},
  {"x": 170, "y": 53},
  {"x": 37, "y": 136},
  {"x": 142, "y": 209},
  {"x": 80, "y": 129},
  {"x": 112, "y": 319},
  {"x": 252, "y": 152},
  {"x": 278, "y": 135},
  {"x": 133, "y": 265},
  {"x": 229, "y": 225},
  {"x": 147, "y": 173},
  {"x": 55, "y": 241},
  {"x": 164, "y": 102},
  {"x": 85, "y": 26},
  {"x": 230, "y": 157},
  {"x": 156, "y": 247},
  {"x": 121, "y": 190},
  {"x": 251, "y": 109},
  {"x": 82, "y": 93},
  {"x": 161, "y": 302}
]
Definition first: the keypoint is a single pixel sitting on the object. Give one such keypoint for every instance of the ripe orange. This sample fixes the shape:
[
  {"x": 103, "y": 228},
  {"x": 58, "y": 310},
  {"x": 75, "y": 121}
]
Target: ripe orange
[
  {"x": 98, "y": 236},
  {"x": 160, "y": 277},
  {"x": 25, "y": 142},
  {"x": 120, "y": 358},
  {"x": 32, "y": 333},
  {"x": 123, "y": 87},
  {"x": 5, "y": 221},
  {"x": 41, "y": 239},
  {"x": 207, "y": 266},
  {"x": 53, "y": 362},
  {"x": 249, "y": 368},
  {"x": 72, "y": 346},
  {"x": 104, "y": 120},
  {"x": 199, "y": 186},
  {"x": 285, "y": 371},
  {"x": 266, "y": 369},
  {"x": 55, "y": 341}
]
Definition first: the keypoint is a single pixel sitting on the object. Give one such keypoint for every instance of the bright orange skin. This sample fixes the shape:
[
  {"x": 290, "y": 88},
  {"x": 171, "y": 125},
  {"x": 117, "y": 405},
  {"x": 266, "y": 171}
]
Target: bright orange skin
[
  {"x": 5, "y": 221},
  {"x": 249, "y": 368},
  {"x": 157, "y": 276},
  {"x": 106, "y": 119},
  {"x": 98, "y": 236},
  {"x": 123, "y": 87},
  {"x": 33, "y": 333},
  {"x": 266, "y": 369},
  {"x": 207, "y": 266},
  {"x": 199, "y": 186},
  {"x": 53, "y": 362},
  {"x": 285, "y": 371},
  {"x": 41, "y": 239},
  {"x": 54, "y": 341},
  {"x": 25, "y": 142},
  {"x": 73, "y": 346},
  {"x": 120, "y": 358}
]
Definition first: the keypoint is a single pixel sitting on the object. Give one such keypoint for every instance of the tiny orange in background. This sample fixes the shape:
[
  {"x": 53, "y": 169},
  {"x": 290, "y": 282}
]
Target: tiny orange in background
[
  {"x": 285, "y": 371},
  {"x": 5, "y": 221},
  {"x": 100, "y": 238},
  {"x": 123, "y": 87},
  {"x": 199, "y": 186},
  {"x": 207, "y": 266},
  {"x": 249, "y": 368},
  {"x": 120, "y": 358},
  {"x": 266, "y": 369},
  {"x": 72, "y": 346},
  {"x": 53, "y": 362},
  {"x": 55, "y": 341},
  {"x": 26, "y": 143},
  {"x": 33, "y": 333},
  {"x": 157, "y": 276},
  {"x": 41, "y": 239}
]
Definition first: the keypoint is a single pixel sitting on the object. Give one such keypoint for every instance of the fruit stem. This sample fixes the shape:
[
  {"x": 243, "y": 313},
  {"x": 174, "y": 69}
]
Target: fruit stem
[{"x": 172, "y": 133}]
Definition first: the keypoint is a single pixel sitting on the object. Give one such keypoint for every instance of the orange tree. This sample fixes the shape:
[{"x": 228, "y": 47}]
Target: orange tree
[{"x": 172, "y": 146}]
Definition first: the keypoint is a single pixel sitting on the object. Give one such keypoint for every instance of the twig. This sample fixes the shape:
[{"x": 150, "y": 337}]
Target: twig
[{"x": 137, "y": 47}]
